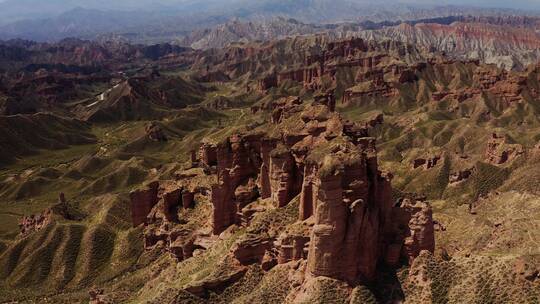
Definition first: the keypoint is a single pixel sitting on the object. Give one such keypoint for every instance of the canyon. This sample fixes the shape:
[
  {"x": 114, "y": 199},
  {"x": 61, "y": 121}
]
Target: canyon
[{"x": 307, "y": 169}]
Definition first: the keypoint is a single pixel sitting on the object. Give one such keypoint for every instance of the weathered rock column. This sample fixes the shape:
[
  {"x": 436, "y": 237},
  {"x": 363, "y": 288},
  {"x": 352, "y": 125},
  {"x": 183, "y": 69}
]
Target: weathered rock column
[
  {"x": 264, "y": 176},
  {"x": 282, "y": 175},
  {"x": 224, "y": 209},
  {"x": 142, "y": 202},
  {"x": 325, "y": 251},
  {"x": 309, "y": 192}
]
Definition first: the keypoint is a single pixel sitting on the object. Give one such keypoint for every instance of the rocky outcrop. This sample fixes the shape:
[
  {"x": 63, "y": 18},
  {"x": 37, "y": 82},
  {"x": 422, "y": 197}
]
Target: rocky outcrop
[
  {"x": 265, "y": 188},
  {"x": 251, "y": 250},
  {"x": 208, "y": 154},
  {"x": 155, "y": 132},
  {"x": 459, "y": 95},
  {"x": 368, "y": 89},
  {"x": 178, "y": 241},
  {"x": 188, "y": 198},
  {"x": 238, "y": 161},
  {"x": 332, "y": 165},
  {"x": 328, "y": 99},
  {"x": 499, "y": 151},
  {"x": 460, "y": 175},
  {"x": 426, "y": 163},
  {"x": 353, "y": 202},
  {"x": 181, "y": 243},
  {"x": 170, "y": 199},
  {"x": 215, "y": 284},
  {"x": 266, "y": 83},
  {"x": 377, "y": 120},
  {"x": 407, "y": 76},
  {"x": 283, "y": 108},
  {"x": 158, "y": 202},
  {"x": 246, "y": 193},
  {"x": 35, "y": 222},
  {"x": 62, "y": 210},
  {"x": 282, "y": 176},
  {"x": 142, "y": 202},
  {"x": 292, "y": 248},
  {"x": 97, "y": 296},
  {"x": 410, "y": 231},
  {"x": 223, "y": 207},
  {"x": 421, "y": 234}
]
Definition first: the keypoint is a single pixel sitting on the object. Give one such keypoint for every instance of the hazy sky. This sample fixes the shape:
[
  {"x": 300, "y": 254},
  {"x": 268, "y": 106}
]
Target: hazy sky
[
  {"x": 490, "y": 3},
  {"x": 523, "y": 4},
  {"x": 54, "y": 5}
]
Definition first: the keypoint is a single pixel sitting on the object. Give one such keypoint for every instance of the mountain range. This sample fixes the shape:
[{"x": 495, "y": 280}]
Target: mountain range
[
  {"x": 226, "y": 152},
  {"x": 168, "y": 21}
]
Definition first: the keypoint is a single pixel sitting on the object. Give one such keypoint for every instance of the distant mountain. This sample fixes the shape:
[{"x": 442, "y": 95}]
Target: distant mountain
[
  {"x": 238, "y": 31},
  {"x": 174, "y": 20},
  {"x": 509, "y": 42}
]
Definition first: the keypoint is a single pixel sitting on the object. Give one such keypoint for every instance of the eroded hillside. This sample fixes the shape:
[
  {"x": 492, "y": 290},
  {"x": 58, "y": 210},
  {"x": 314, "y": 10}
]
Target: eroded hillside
[{"x": 304, "y": 170}]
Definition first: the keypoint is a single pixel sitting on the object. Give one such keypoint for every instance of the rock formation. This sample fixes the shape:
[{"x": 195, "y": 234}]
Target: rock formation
[
  {"x": 33, "y": 223},
  {"x": 155, "y": 132},
  {"x": 421, "y": 234},
  {"x": 499, "y": 151},
  {"x": 460, "y": 175},
  {"x": 340, "y": 188},
  {"x": 251, "y": 250},
  {"x": 208, "y": 154},
  {"x": 426, "y": 163},
  {"x": 352, "y": 203},
  {"x": 238, "y": 162},
  {"x": 142, "y": 202},
  {"x": 282, "y": 176},
  {"x": 36, "y": 222},
  {"x": 292, "y": 248}
]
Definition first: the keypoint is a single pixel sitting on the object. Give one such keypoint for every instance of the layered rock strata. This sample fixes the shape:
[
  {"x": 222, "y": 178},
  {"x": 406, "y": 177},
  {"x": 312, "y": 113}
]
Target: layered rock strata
[{"x": 331, "y": 165}]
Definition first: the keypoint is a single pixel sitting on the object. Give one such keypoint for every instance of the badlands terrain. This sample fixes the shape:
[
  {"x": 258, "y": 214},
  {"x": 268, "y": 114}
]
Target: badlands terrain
[{"x": 314, "y": 168}]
